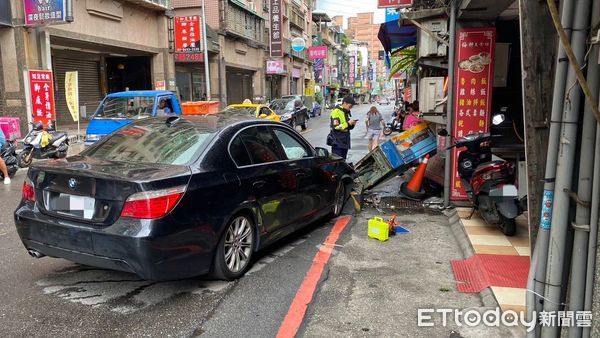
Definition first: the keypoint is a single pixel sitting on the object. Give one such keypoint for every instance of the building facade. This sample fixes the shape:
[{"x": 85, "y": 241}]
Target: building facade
[
  {"x": 239, "y": 51},
  {"x": 297, "y": 74},
  {"x": 134, "y": 58},
  {"x": 364, "y": 30}
]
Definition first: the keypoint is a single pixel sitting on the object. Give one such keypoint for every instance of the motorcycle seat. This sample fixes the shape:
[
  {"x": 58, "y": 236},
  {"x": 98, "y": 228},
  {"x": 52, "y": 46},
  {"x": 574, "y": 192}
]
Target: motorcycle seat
[
  {"x": 490, "y": 162},
  {"x": 57, "y": 135}
]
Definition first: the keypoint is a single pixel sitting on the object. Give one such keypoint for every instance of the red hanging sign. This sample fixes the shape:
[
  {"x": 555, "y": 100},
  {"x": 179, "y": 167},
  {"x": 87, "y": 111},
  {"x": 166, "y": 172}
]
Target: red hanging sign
[
  {"x": 474, "y": 74},
  {"x": 188, "y": 35},
  {"x": 42, "y": 96},
  {"x": 317, "y": 52}
]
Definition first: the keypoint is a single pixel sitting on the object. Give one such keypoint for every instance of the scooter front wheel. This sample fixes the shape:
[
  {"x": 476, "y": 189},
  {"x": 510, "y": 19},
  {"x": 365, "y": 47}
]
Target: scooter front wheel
[
  {"x": 387, "y": 131},
  {"x": 508, "y": 225},
  {"x": 25, "y": 158}
]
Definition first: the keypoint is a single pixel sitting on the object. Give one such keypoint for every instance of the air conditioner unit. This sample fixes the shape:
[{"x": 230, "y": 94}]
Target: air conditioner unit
[
  {"x": 431, "y": 93},
  {"x": 428, "y": 46}
]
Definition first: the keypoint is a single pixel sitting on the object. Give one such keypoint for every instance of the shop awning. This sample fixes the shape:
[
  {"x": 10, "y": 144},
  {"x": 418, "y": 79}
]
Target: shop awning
[{"x": 392, "y": 36}]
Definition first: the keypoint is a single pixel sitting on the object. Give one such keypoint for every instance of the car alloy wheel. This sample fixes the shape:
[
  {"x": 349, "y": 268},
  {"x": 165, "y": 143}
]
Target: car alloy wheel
[
  {"x": 340, "y": 196},
  {"x": 235, "y": 249}
]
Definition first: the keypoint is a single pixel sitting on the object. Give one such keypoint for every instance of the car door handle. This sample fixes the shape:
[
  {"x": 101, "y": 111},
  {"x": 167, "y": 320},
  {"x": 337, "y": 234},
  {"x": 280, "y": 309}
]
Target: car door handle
[
  {"x": 259, "y": 184},
  {"x": 301, "y": 175}
]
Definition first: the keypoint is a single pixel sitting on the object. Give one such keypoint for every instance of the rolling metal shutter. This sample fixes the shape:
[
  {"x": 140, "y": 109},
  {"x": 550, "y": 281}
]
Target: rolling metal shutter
[
  {"x": 89, "y": 85},
  {"x": 239, "y": 85}
]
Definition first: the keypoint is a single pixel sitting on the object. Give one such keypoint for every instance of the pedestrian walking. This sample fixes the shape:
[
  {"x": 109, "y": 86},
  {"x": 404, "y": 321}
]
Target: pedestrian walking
[
  {"x": 341, "y": 124},
  {"x": 375, "y": 125}
]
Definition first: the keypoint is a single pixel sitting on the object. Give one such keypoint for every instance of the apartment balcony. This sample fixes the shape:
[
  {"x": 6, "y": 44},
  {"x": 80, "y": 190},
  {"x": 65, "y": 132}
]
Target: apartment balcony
[
  {"x": 243, "y": 21},
  {"x": 297, "y": 18},
  {"x": 155, "y": 5}
]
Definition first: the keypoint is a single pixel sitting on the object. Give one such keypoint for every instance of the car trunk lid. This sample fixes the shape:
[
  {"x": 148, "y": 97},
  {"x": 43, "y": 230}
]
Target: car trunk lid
[{"x": 94, "y": 191}]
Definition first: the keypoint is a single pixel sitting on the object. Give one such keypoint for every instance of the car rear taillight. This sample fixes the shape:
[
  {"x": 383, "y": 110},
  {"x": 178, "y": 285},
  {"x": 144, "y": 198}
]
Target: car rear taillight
[
  {"x": 152, "y": 204},
  {"x": 28, "y": 190}
]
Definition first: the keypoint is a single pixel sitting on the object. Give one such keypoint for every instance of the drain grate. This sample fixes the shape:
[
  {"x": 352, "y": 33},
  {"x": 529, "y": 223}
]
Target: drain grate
[{"x": 398, "y": 203}]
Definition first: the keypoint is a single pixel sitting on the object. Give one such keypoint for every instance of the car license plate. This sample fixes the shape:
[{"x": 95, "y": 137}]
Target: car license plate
[{"x": 74, "y": 205}]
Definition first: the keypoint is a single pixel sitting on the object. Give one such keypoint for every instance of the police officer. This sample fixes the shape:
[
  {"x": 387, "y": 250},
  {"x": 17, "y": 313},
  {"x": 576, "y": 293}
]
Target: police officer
[{"x": 341, "y": 124}]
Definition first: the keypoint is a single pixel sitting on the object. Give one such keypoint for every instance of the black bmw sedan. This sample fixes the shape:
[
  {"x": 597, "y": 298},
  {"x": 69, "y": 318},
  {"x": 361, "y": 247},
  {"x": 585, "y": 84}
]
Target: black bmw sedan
[{"x": 176, "y": 197}]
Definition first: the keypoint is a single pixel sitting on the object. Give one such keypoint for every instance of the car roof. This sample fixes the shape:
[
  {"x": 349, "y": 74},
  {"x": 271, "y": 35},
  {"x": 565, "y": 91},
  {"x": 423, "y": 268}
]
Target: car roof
[
  {"x": 245, "y": 105},
  {"x": 212, "y": 123},
  {"x": 140, "y": 93}
]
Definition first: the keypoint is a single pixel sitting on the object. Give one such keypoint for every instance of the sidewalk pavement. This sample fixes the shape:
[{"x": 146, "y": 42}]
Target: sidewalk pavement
[
  {"x": 374, "y": 288},
  {"x": 488, "y": 239}
]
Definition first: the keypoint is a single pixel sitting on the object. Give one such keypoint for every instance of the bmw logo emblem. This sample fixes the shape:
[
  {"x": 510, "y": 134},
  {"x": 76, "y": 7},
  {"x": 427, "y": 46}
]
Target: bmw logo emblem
[{"x": 72, "y": 183}]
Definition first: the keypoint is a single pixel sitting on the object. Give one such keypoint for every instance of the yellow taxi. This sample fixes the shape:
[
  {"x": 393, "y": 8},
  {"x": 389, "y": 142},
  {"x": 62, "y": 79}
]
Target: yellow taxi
[{"x": 254, "y": 109}]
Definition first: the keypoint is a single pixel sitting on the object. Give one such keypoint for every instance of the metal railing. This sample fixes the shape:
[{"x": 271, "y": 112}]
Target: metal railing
[{"x": 245, "y": 24}]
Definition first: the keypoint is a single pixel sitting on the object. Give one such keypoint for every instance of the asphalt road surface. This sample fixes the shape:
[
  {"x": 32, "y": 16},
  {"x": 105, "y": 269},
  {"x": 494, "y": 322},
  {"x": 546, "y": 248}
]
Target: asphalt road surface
[{"x": 54, "y": 297}]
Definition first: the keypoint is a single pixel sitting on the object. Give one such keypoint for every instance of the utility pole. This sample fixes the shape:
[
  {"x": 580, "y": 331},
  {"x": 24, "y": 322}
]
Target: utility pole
[
  {"x": 205, "y": 47},
  {"x": 450, "y": 105}
]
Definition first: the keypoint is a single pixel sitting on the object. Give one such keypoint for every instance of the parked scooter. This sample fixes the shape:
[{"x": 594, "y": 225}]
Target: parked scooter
[
  {"x": 43, "y": 144},
  {"x": 489, "y": 184},
  {"x": 393, "y": 124},
  {"x": 316, "y": 111},
  {"x": 8, "y": 153}
]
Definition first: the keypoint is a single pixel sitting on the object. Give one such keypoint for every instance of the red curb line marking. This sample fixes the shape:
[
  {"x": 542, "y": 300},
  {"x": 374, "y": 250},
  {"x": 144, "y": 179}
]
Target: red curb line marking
[{"x": 293, "y": 319}]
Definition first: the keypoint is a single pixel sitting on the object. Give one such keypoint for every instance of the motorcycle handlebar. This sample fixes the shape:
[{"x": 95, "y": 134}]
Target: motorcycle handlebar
[{"x": 481, "y": 139}]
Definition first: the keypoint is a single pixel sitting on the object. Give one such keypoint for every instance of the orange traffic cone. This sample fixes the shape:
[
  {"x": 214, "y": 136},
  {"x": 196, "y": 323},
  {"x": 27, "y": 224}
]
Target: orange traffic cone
[{"x": 413, "y": 189}]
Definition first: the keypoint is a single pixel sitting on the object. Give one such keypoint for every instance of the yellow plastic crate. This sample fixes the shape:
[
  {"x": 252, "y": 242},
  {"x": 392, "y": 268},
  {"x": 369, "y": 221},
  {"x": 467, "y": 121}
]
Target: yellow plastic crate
[{"x": 378, "y": 229}]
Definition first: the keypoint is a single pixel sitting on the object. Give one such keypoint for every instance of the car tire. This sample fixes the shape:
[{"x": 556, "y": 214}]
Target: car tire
[
  {"x": 234, "y": 251},
  {"x": 339, "y": 199}
]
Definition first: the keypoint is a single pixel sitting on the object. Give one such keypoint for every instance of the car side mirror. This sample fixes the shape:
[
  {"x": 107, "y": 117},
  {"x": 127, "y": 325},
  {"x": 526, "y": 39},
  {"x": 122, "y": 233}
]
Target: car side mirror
[{"x": 322, "y": 152}]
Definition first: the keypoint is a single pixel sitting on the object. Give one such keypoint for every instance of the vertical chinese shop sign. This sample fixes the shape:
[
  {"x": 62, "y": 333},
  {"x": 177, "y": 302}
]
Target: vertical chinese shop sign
[
  {"x": 351, "y": 71},
  {"x": 276, "y": 28},
  {"x": 474, "y": 69},
  {"x": 42, "y": 96}
]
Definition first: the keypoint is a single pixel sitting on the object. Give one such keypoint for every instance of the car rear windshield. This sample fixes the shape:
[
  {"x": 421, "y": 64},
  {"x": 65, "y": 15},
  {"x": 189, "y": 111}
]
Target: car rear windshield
[
  {"x": 157, "y": 142},
  {"x": 251, "y": 111},
  {"x": 282, "y": 106},
  {"x": 126, "y": 107}
]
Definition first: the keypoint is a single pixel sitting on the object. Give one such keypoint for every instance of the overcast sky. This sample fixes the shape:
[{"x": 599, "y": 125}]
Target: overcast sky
[{"x": 349, "y": 8}]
